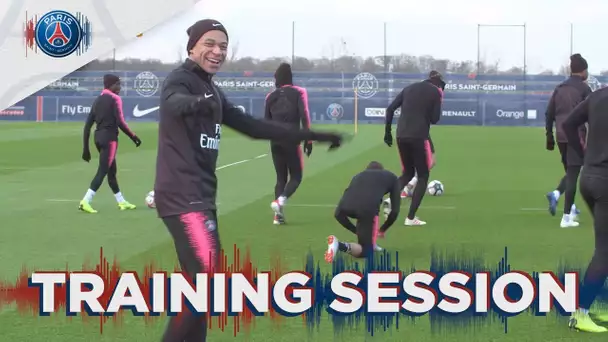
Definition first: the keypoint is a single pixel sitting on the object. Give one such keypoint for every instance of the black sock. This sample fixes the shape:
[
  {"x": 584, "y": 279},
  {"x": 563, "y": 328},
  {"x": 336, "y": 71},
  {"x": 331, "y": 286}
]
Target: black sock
[{"x": 343, "y": 247}]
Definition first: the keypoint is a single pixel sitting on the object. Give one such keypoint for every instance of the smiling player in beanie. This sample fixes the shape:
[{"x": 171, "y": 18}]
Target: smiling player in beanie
[
  {"x": 107, "y": 113},
  {"x": 192, "y": 113},
  {"x": 565, "y": 98}
]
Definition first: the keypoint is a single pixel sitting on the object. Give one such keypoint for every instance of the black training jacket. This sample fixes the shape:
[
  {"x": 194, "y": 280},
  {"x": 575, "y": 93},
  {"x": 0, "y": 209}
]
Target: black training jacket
[
  {"x": 566, "y": 96},
  {"x": 366, "y": 191},
  {"x": 420, "y": 105},
  {"x": 192, "y": 113},
  {"x": 106, "y": 113},
  {"x": 593, "y": 111}
]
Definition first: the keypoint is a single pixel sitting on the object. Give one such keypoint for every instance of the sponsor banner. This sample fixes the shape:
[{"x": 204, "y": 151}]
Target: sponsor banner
[
  {"x": 506, "y": 113},
  {"x": 228, "y": 84},
  {"x": 25, "y": 110},
  {"x": 322, "y": 110},
  {"x": 78, "y": 108},
  {"x": 454, "y": 112}
]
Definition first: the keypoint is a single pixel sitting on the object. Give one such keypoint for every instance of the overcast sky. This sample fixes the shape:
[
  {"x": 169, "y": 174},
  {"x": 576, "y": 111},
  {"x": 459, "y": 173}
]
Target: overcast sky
[{"x": 441, "y": 28}]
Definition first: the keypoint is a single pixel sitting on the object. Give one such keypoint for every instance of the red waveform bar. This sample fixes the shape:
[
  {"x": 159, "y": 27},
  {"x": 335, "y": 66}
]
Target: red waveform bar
[
  {"x": 27, "y": 298},
  {"x": 29, "y": 33}
]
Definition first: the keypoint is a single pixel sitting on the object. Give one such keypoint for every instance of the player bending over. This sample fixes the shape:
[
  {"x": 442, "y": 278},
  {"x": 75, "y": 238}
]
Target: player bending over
[
  {"x": 288, "y": 104},
  {"x": 192, "y": 113},
  {"x": 107, "y": 113},
  {"x": 361, "y": 201},
  {"x": 420, "y": 107},
  {"x": 594, "y": 190},
  {"x": 565, "y": 98}
]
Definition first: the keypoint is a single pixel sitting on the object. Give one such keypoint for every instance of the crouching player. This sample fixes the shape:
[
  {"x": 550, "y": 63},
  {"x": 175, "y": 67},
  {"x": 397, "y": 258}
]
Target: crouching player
[{"x": 361, "y": 201}]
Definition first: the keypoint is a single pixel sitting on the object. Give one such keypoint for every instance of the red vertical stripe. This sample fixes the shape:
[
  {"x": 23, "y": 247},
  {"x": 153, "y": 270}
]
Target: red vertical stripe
[{"x": 39, "y": 108}]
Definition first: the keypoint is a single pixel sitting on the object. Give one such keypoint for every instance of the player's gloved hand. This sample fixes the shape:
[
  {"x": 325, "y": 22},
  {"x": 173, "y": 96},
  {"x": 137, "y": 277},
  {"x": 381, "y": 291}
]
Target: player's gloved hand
[
  {"x": 206, "y": 105},
  {"x": 308, "y": 148},
  {"x": 136, "y": 140},
  {"x": 550, "y": 142},
  {"x": 388, "y": 139},
  {"x": 86, "y": 155}
]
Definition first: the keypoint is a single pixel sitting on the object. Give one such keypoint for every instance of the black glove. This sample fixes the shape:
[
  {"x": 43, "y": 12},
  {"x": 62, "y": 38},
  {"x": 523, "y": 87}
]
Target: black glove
[
  {"x": 388, "y": 138},
  {"x": 550, "y": 142},
  {"x": 86, "y": 155},
  {"x": 308, "y": 148},
  {"x": 136, "y": 140}
]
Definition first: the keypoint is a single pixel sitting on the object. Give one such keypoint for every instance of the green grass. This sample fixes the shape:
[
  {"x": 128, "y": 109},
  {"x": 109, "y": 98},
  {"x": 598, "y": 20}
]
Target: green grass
[{"x": 490, "y": 174}]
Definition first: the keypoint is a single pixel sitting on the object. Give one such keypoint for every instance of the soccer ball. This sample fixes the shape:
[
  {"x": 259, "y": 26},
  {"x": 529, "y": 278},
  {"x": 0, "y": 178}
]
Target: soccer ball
[
  {"x": 435, "y": 188},
  {"x": 150, "y": 200}
]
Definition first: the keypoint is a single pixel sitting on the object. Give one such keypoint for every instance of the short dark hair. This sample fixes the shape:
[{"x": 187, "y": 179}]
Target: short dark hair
[{"x": 374, "y": 165}]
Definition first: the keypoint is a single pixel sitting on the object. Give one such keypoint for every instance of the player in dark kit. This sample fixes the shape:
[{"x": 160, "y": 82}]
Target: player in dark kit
[
  {"x": 192, "y": 112},
  {"x": 107, "y": 113},
  {"x": 288, "y": 105},
  {"x": 361, "y": 201},
  {"x": 565, "y": 98},
  {"x": 594, "y": 190},
  {"x": 420, "y": 105}
]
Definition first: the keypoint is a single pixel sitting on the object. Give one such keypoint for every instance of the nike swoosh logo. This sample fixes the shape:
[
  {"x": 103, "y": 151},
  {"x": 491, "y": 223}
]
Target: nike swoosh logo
[
  {"x": 216, "y": 25},
  {"x": 208, "y": 95},
  {"x": 139, "y": 113}
]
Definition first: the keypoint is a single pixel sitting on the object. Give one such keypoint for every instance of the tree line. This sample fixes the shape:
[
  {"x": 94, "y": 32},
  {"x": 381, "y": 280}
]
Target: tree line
[{"x": 401, "y": 63}]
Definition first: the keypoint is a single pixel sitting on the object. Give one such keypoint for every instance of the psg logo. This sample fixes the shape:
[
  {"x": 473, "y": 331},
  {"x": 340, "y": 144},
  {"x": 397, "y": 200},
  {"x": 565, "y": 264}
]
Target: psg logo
[{"x": 58, "y": 34}]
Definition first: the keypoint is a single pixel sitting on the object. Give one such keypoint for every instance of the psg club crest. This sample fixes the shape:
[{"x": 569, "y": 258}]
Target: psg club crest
[
  {"x": 58, "y": 33},
  {"x": 335, "y": 111}
]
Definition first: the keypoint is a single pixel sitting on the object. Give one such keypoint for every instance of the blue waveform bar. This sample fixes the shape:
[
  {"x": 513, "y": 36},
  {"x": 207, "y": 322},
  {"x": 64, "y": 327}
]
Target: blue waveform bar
[{"x": 441, "y": 263}]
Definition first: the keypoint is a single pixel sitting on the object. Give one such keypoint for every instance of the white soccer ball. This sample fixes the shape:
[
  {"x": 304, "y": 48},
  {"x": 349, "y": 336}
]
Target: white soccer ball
[
  {"x": 435, "y": 188},
  {"x": 150, "y": 200}
]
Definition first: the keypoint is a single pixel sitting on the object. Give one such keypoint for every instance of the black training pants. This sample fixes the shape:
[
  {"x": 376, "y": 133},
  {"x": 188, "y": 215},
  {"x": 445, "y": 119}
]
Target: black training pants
[
  {"x": 288, "y": 164},
  {"x": 594, "y": 190},
  {"x": 107, "y": 166},
  {"x": 366, "y": 228},
  {"x": 197, "y": 244},
  {"x": 572, "y": 165},
  {"x": 416, "y": 157}
]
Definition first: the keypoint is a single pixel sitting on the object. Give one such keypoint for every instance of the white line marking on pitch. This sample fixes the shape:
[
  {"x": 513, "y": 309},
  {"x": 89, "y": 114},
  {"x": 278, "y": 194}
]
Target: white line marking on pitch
[{"x": 61, "y": 200}]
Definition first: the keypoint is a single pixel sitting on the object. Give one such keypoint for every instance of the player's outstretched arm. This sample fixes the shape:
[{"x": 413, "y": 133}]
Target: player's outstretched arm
[
  {"x": 177, "y": 99},
  {"x": 572, "y": 125},
  {"x": 268, "y": 130}
]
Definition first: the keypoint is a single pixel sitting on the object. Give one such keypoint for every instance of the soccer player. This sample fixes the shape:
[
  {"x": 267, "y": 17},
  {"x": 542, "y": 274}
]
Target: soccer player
[
  {"x": 594, "y": 190},
  {"x": 106, "y": 113},
  {"x": 361, "y": 201},
  {"x": 192, "y": 113},
  {"x": 420, "y": 105},
  {"x": 565, "y": 97},
  {"x": 288, "y": 104}
]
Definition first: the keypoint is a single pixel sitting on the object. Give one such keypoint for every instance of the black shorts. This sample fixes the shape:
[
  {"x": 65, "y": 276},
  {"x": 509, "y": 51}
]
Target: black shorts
[
  {"x": 415, "y": 153},
  {"x": 196, "y": 240}
]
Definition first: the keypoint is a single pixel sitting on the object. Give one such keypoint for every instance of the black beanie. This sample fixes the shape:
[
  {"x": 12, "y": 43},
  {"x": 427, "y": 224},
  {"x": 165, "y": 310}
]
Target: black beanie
[
  {"x": 577, "y": 63},
  {"x": 110, "y": 80},
  {"x": 199, "y": 28},
  {"x": 283, "y": 75}
]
